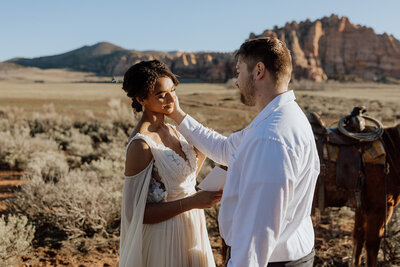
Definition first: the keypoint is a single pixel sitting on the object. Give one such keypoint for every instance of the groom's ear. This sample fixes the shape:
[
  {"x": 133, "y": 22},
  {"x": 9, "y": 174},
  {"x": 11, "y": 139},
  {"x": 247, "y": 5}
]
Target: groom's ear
[{"x": 259, "y": 70}]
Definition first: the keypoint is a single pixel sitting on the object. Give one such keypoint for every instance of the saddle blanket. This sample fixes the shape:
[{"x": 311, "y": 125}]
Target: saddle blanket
[{"x": 374, "y": 152}]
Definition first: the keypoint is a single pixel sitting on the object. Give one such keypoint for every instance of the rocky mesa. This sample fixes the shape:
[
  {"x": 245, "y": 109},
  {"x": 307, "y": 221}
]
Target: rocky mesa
[{"x": 333, "y": 47}]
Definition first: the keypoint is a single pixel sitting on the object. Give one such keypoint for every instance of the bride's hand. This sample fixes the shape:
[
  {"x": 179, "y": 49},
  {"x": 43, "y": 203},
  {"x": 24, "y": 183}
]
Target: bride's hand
[
  {"x": 205, "y": 199},
  {"x": 177, "y": 114}
]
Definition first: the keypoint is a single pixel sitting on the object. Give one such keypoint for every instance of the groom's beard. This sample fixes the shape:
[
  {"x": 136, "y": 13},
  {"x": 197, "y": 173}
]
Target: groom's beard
[{"x": 247, "y": 95}]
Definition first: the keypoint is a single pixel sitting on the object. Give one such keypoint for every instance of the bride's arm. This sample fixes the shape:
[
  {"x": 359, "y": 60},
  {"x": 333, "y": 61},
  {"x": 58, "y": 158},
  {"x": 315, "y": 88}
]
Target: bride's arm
[{"x": 158, "y": 212}]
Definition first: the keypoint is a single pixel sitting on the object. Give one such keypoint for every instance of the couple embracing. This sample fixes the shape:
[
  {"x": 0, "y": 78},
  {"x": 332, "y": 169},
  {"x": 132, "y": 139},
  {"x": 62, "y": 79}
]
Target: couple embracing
[{"x": 272, "y": 171}]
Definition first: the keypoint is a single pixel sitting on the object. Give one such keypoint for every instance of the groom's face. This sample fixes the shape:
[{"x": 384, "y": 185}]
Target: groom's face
[{"x": 245, "y": 83}]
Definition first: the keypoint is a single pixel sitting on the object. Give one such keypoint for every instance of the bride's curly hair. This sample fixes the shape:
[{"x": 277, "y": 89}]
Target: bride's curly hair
[{"x": 139, "y": 80}]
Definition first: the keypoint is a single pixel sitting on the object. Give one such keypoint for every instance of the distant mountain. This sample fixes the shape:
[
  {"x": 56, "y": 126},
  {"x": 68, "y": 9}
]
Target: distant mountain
[
  {"x": 94, "y": 58},
  {"x": 111, "y": 60},
  {"x": 6, "y": 66},
  {"x": 330, "y": 47}
]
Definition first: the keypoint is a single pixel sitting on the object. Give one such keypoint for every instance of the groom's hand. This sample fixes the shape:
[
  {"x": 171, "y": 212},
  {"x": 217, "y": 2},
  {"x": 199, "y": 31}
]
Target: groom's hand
[{"x": 177, "y": 114}]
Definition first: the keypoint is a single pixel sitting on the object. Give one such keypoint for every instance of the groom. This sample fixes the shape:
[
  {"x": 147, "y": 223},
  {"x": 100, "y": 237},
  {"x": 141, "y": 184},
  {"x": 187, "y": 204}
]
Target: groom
[{"x": 272, "y": 164}]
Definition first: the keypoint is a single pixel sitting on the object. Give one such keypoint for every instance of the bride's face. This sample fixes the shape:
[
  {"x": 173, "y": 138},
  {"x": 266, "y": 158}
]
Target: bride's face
[{"x": 161, "y": 99}]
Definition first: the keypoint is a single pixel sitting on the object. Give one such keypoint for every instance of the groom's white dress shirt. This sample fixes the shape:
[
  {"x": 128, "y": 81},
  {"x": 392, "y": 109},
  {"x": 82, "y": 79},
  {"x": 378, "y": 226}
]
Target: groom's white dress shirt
[{"x": 273, "y": 167}]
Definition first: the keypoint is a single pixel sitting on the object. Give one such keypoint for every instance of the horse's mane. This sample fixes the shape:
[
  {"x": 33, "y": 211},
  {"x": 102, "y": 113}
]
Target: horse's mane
[{"x": 391, "y": 138}]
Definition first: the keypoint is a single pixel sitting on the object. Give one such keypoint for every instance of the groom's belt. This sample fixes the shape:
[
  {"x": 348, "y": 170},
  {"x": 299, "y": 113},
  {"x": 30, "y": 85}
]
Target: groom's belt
[{"x": 303, "y": 261}]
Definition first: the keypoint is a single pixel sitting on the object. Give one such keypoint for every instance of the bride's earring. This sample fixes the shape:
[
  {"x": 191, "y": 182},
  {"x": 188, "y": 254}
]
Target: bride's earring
[{"x": 143, "y": 105}]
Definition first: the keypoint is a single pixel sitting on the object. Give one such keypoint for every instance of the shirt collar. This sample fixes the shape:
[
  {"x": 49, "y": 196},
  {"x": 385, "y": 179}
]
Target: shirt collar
[{"x": 277, "y": 102}]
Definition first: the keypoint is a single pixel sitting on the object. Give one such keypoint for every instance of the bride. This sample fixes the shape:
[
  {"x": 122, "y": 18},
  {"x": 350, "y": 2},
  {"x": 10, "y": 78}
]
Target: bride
[{"x": 162, "y": 221}]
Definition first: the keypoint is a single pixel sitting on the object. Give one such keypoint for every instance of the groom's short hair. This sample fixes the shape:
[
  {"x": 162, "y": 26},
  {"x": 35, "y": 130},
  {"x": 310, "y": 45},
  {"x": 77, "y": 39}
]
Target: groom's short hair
[{"x": 270, "y": 51}]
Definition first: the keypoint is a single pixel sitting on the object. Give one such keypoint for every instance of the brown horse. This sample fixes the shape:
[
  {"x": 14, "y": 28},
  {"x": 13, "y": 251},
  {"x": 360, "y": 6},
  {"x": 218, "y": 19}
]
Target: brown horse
[
  {"x": 378, "y": 191},
  {"x": 379, "y": 196}
]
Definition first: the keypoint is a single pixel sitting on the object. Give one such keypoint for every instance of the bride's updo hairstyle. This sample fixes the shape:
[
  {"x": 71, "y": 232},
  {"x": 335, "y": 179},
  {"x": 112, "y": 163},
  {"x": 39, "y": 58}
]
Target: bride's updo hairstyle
[{"x": 140, "y": 79}]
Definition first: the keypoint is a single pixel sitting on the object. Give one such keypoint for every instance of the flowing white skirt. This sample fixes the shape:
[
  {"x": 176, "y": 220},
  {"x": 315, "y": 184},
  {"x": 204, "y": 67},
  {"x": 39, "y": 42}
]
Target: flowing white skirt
[{"x": 179, "y": 241}]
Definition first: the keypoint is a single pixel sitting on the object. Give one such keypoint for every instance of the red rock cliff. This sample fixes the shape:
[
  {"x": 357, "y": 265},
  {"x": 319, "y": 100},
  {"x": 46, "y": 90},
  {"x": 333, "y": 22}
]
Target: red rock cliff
[{"x": 332, "y": 46}]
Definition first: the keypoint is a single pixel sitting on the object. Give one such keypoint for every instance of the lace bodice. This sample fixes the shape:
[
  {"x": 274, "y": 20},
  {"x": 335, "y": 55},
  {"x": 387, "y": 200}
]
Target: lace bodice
[{"x": 177, "y": 174}]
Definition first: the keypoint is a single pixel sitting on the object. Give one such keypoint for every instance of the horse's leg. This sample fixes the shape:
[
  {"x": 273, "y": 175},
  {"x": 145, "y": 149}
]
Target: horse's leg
[
  {"x": 358, "y": 236},
  {"x": 375, "y": 228},
  {"x": 375, "y": 221}
]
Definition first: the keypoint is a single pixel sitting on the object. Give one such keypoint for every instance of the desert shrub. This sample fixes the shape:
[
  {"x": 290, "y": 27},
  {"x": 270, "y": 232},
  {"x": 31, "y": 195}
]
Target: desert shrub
[
  {"x": 105, "y": 168},
  {"x": 17, "y": 147},
  {"x": 16, "y": 235},
  {"x": 11, "y": 117},
  {"x": 84, "y": 207},
  {"x": 51, "y": 166},
  {"x": 108, "y": 160},
  {"x": 73, "y": 172},
  {"x": 48, "y": 121},
  {"x": 97, "y": 242},
  {"x": 115, "y": 148},
  {"x": 12, "y": 146},
  {"x": 97, "y": 130},
  {"x": 121, "y": 116},
  {"x": 80, "y": 205},
  {"x": 78, "y": 144}
]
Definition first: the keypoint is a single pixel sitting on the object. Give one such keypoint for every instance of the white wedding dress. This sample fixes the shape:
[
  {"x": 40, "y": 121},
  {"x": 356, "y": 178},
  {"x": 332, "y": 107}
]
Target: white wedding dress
[{"x": 181, "y": 241}]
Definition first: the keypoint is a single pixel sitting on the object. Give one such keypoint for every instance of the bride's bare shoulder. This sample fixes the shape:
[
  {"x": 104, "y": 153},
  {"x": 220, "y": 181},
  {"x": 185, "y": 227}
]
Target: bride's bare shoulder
[{"x": 138, "y": 157}]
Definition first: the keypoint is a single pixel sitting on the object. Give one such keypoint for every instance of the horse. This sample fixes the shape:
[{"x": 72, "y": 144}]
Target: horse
[{"x": 373, "y": 189}]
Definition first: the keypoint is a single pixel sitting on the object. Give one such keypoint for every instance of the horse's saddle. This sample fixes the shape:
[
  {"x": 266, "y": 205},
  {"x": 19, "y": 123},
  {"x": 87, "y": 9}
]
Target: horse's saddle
[{"x": 348, "y": 153}]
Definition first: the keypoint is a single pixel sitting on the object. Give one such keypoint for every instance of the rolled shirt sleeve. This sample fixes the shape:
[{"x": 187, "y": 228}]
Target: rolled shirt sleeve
[
  {"x": 266, "y": 188},
  {"x": 214, "y": 145}
]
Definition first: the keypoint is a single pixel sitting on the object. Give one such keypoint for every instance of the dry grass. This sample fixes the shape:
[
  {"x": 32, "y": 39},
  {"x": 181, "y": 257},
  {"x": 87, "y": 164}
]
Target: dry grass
[{"x": 15, "y": 73}]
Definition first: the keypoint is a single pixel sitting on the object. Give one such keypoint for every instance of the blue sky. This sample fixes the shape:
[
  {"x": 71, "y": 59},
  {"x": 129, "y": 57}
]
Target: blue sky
[{"x": 47, "y": 27}]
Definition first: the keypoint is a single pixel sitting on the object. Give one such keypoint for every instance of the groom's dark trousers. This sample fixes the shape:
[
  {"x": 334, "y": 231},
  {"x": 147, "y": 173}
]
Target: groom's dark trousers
[{"x": 306, "y": 261}]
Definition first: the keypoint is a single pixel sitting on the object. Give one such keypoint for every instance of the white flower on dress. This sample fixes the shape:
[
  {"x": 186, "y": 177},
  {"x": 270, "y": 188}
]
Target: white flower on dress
[{"x": 157, "y": 192}]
